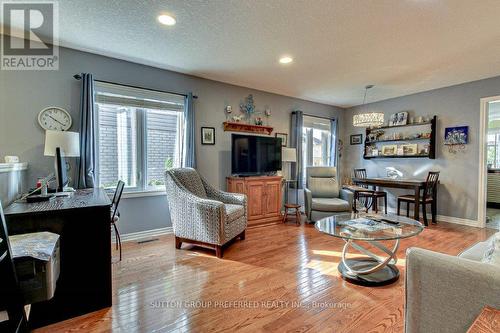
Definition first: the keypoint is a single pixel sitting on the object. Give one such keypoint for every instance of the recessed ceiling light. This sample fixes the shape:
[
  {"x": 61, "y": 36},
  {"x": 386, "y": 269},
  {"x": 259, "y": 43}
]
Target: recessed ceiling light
[
  {"x": 286, "y": 60},
  {"x": 166, "y": 19}
]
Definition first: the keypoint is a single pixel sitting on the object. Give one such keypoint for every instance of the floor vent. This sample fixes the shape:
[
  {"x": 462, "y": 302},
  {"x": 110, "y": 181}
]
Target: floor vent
[{"x": 142, "y": 241}]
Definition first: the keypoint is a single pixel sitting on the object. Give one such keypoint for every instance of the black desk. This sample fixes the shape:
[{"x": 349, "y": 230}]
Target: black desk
[{"x": 83, "y": 223}]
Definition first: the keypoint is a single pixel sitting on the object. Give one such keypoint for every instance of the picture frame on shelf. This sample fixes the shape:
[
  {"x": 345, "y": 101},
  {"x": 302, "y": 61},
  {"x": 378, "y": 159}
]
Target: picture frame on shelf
[
  {"x": 399, "y": 119},
  {"x": 356, "y": 139},
  {"x": 208, "y": 135},
  {"x": 389, "y": 150},
  {"x": 283, "y": 137},
  {"x": 410, "y": 149}
]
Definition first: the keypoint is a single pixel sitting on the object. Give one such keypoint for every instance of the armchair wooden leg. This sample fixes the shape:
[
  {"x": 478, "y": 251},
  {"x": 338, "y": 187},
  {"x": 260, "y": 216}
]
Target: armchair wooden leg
[
  {"x": 407, "y": 209},
  {"x": 178, "y": 243},
  {"x": 385, "y": 203},
  {"x": 399, "y": 206},
  {"x": 242, "y": 235},
  {"x": 218, "y": 251}
]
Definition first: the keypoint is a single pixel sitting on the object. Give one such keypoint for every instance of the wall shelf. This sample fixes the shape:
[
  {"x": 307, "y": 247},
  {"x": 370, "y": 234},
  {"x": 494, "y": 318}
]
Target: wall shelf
[
  {"x": 407, "y": 125},
  {"x": 242, "y": 127},
  {"x": 9, "y": 167},
  {"x": 431, "y": 140},
  {"x": 397, "y": 156},
  {"x": 399, "y": 140}
]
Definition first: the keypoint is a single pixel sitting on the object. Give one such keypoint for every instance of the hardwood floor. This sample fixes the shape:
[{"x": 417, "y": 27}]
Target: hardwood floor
[{"x": 286, "y": 274}]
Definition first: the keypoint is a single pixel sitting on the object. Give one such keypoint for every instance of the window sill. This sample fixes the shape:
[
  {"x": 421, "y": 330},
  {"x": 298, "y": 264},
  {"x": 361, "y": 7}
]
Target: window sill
[{"x": 143, "y": 194}]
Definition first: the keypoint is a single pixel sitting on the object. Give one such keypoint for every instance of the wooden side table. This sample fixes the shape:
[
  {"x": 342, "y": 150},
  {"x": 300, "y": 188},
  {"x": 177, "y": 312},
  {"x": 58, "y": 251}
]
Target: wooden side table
[
  {"x": 297, "y": 213},
  {"x": 488, "y": 321}
]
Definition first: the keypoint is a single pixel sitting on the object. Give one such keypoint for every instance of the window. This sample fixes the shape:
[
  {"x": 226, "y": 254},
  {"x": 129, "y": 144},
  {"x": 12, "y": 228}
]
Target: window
[
  {"x": 316, "y": 142},
  {"x": 493, "y": 153},
  {"x": 140, "y": 135}
]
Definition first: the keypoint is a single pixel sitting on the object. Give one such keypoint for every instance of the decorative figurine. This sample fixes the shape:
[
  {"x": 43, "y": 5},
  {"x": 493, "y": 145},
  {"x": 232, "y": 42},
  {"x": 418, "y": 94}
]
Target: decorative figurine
[
  {"x": 248, "y": 107},
  {"x": 228, "y": 109},
  {"x": 267, "y": 113},
  {"x": 259, "y": 121},
  {"x": 237, "y": 119}
]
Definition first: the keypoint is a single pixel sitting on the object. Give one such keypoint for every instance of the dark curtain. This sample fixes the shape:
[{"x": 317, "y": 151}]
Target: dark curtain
[
  {"x": 334, "y": 153},
  {"x": 88, "y": 140},
  {"x": 190, "y": 143},
  {"x": 296, "y": 142}
]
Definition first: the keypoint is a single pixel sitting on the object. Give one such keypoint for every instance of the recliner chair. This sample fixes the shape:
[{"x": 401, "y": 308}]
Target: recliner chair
[{"x": 323, "y": 196}]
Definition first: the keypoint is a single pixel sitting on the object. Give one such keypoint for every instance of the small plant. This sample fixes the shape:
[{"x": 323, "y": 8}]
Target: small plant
[{"x": 169, "y": 163}]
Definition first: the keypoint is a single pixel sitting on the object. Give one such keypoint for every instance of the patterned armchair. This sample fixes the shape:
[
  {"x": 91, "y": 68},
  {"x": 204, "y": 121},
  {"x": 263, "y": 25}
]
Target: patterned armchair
[{"x": 201, "y": 214}]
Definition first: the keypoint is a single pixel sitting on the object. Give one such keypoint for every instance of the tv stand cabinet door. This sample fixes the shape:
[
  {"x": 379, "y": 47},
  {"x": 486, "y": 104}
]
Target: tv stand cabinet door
[
  {"x": 256, "y": 194},
  {"x": 273, "y": 198}
]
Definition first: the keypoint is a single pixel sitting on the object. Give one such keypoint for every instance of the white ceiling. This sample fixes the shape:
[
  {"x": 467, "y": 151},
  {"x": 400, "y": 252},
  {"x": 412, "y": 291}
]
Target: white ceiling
[{"x": 339, "y": 46}]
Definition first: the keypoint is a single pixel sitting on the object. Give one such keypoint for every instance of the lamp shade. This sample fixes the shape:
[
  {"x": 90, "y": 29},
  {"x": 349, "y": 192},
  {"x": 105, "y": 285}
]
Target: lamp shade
[
  {"x": 69, "y": 142},
  {"x": 289, "y": 154},
  {"x": 372, "y": 119}
]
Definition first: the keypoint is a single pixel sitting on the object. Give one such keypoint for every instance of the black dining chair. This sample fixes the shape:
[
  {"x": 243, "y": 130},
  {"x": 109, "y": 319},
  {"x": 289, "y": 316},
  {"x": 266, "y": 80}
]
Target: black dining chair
[
  {"x": 115, "y": 214},
  {"x": 428, "y": 197},
  {"x": 11, "y": 299},
  {"x": 360, "y": 173}
]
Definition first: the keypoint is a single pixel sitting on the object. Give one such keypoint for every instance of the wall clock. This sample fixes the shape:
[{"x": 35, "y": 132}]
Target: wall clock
[{"x": 55, "y": 119}]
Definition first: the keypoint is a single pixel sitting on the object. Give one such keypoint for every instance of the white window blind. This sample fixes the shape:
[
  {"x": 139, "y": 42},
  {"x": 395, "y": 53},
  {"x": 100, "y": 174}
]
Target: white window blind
[{"x": 140, "y": 135}]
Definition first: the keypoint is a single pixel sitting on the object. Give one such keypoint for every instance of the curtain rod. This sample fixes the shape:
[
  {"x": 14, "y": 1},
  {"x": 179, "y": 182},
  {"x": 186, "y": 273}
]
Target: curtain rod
[
  {"x": 79, "y": 77},
  {"x": 312, "y": 115}
]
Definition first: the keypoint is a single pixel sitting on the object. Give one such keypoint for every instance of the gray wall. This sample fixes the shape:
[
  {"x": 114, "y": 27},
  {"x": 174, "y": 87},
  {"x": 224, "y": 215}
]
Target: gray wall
[
  {"x": 24, "y": 93},
  {"x": 454, "y": 106}
]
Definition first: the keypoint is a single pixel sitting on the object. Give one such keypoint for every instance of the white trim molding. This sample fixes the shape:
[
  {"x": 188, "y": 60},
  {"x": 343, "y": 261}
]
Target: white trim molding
[
  {"x": 142, "y": 194},
  {"x": 8, "y": 167},
  {"x": 134, "y": 236},
  {"x": 443, "y": 218},
  {"x": 458, "y": 220},
  {"x": 483, "y": 172}
]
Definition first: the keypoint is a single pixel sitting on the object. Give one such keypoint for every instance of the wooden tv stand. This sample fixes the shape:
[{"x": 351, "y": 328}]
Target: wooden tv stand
[{"x": 264, "y": 197}]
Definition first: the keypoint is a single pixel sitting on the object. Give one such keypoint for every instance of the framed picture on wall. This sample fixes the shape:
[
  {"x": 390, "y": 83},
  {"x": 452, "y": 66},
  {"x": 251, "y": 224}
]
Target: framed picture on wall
[
  {"x": 283, "y": 137},
  {"x": 208, "y": 135},
  {"x": 456, "y": 135},
  {"x": 356, "y": 139}
]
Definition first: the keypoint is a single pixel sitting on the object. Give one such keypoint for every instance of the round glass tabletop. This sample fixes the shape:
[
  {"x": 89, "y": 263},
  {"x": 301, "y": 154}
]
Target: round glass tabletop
[{"x": 369, "y": 227}]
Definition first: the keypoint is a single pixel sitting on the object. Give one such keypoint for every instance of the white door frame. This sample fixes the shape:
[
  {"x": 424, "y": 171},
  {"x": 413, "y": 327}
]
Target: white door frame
[{"x": 483, "y": 172}]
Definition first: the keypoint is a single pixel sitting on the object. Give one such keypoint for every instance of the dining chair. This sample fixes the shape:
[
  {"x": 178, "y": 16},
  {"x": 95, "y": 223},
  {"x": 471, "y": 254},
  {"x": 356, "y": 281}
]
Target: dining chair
[
  {"x": 11, "y": 299},
  {"x": 428, "y": 197},
  {"x": 375, "y": 194},
  {"x": 115, "y": 214}
]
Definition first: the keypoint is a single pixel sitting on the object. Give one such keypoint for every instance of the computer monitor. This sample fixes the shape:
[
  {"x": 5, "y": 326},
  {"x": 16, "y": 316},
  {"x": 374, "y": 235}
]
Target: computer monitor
[{"x": 61, "y": 176}]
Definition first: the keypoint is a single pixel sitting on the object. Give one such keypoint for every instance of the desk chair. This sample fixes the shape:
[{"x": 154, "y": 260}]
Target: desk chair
[
  {"x": 428, "y": 197},
  {"x": 11, "y": 299},
  {"x": 375, "y": 194},
  {"x": 115, "y": 214}
]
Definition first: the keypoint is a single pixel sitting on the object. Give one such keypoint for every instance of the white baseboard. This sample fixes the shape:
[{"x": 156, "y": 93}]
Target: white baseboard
[
  {"x": 134, "y": 236},
  {"x": 457, "y": 220},
  {"x": 442, "y": 218}
]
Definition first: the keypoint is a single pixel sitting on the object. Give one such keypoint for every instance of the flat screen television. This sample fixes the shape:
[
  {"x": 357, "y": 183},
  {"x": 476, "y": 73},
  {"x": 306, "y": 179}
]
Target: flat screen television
[{"x": 255, "y": 155}]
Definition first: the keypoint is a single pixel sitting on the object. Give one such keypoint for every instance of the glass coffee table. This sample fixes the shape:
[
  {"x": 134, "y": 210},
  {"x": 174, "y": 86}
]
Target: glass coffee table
[{"x": 355, "y": 229}]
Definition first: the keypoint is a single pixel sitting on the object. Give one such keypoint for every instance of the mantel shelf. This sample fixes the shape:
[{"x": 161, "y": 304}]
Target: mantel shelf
[{"x": 242, "y": 127}]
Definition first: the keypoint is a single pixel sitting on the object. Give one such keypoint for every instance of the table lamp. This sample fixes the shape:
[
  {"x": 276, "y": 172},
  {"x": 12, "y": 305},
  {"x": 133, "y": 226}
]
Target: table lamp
[
  {"x": 289, "y": 155},
  {"x": 69, "y": 142}
]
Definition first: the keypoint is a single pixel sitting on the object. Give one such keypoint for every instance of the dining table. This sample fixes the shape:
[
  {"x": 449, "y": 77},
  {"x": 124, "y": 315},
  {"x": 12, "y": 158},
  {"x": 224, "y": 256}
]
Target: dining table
[{"x": 405, "y": 183}]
